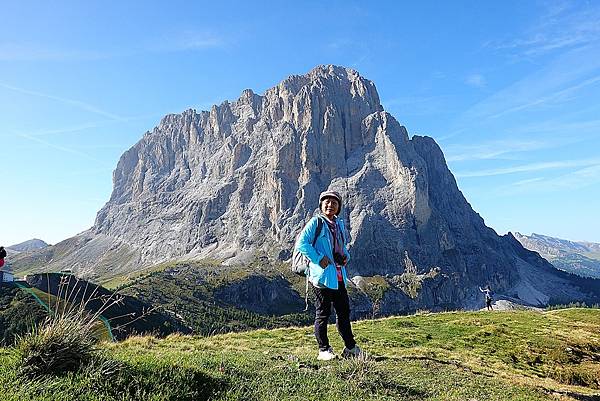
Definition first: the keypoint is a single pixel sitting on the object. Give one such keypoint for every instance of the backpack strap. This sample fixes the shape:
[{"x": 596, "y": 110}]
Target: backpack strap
[
  {"x": 317, "y": 233},
  {"x": 342, "y": 233},
  {"x": 318, "y": 230},
  {"x": 306, "y": 295}
]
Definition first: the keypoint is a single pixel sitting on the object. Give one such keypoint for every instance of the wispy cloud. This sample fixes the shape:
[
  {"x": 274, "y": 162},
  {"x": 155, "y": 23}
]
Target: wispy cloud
[
  {"x": 187, "y": 40},
  {"x": 418, "y": 105},
  {"x": 528, "y": 181},
  {"x": 340, "y": 43},
  {"x": 561, "y": 80},
  {"x": 34, "y": 52},
  {"x": 575, "y": 130},
  {"x": 569, "y": 35},
  {"x": 529, "y": 168},
  {"x": 67, "y": 130},
  {"x": 476, "y": 80},
  {"x": 87, "y": 126},
  {"x": 60, "y": 148},
  {"x": 560, "y": 95},
  {"x": 574, "y": 180},
  {"x": 183, "y": 40},
  {"x": 492, "y": 149},
  {"x": 544, "y": 135},
  {"x": 76, "y": 103},
  {"x": 563, "y": 26}
]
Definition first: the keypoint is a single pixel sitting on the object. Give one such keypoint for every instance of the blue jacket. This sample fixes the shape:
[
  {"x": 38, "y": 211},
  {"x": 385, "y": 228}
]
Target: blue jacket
[{"x": 318, "y": 276}]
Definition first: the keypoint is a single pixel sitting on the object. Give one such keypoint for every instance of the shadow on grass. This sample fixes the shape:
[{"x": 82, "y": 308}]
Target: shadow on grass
[
  {"x": 581, "y": 397},
  {"x": 114, "y": 380}
]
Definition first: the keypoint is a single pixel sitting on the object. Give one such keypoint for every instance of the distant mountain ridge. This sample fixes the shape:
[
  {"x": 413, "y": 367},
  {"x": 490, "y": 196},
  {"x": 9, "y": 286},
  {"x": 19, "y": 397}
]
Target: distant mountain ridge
[
  {"x": 576, "y": 257},
  {"x": 29, "y": 245}
]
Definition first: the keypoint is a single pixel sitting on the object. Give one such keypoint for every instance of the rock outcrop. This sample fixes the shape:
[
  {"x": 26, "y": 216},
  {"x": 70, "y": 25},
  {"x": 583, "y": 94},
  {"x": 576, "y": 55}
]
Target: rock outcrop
[{"x": 240, "y": 181}]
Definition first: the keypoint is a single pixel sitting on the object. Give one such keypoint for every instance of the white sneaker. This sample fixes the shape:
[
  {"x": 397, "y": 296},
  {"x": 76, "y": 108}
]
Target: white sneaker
[
  {"x": 326, "y": 355},
  {"x": 355, "y": 352}
]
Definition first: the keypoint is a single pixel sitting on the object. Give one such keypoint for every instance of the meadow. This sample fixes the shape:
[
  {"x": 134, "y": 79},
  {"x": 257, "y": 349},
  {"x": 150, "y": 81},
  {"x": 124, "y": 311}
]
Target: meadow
[{"x": 511, "y": 355}]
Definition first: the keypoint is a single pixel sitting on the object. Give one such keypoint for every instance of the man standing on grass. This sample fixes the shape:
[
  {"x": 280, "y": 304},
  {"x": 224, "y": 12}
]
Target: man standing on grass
[{"x": 488, "y": 297}]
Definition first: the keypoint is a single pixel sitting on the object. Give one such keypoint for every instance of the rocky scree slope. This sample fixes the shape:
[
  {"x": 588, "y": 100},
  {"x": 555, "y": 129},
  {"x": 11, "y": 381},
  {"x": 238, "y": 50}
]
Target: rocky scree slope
[{"x": 241, "y": 179}]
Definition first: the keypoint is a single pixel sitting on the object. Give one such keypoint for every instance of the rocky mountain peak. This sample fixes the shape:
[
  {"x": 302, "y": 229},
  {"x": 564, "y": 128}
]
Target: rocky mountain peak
[{"x": 241, "y": 179}]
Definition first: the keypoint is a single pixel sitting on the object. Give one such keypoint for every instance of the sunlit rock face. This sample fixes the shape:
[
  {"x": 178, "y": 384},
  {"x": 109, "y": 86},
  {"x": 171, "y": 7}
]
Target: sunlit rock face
[{"x": 242, "y": 179}]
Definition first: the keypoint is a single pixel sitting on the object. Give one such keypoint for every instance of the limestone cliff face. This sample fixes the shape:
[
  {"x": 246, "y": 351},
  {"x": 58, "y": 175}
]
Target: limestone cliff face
[
  {"x": 242, "y": 179},
  {"x": 244, "y": 174}
]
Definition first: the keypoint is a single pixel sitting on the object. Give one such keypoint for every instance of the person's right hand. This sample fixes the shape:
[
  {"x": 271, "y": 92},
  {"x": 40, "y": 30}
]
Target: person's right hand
[{"x": 324, "y": 262}]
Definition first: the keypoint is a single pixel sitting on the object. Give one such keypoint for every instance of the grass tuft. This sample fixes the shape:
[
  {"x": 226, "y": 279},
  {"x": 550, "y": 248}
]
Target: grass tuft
[
  {"x": 57, "y": 346},
  {"x": 68, "y": 337}
]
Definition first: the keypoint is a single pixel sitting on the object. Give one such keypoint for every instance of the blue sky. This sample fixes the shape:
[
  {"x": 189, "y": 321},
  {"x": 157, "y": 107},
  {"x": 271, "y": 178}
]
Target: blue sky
[{"x": 509, "y": 89}]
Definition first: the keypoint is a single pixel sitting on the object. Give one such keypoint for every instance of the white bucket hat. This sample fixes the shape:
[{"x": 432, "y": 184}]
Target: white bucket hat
[{"x": 331, "y": 194}]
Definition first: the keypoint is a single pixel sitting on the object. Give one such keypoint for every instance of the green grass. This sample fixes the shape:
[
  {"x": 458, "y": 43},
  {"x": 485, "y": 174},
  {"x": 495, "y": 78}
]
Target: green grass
[{"x": 447, "y": 356}]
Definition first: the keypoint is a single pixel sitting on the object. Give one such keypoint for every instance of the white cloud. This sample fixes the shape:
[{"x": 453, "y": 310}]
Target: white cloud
[
  {"x": 543, "y": 135},
  {"x": 559, "y": 81},
  {"x": 476, "y": 80},
  {"x": 567, "y": 32},
  {"x": 563, "y": 26},
  {"x": 492, "y": 149},
  {"x": 67, "y": 130},
  {"x": 32, "y": 52},
  {"x": 528, "y": 181},
  {"x": 560, "y": 95},
  {"x": 187, "y": 40},
  {"x": 339, "y": 44},
  {"x": 87, "y": 126},
  {"x": 61, "y": 148},
  {"x": 529, "y": 168},
  {"x": 79, "y": 104},
  {"x": 418, "y": 105},
  {"x": 577, "y": 179}
]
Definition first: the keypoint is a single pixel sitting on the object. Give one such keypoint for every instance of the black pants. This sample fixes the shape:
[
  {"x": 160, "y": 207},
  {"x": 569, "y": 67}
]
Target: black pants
[{"x": 324, "y": 297}]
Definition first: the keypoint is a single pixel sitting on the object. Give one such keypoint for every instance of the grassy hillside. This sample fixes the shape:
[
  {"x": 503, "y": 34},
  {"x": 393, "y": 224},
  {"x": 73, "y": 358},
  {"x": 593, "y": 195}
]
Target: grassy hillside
[
  {"x": 207, "y": 296},
  {"x": 18, "y": 313},
  {"x": 449, "y": 356},
  {"x": 19, "y": 310}
]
